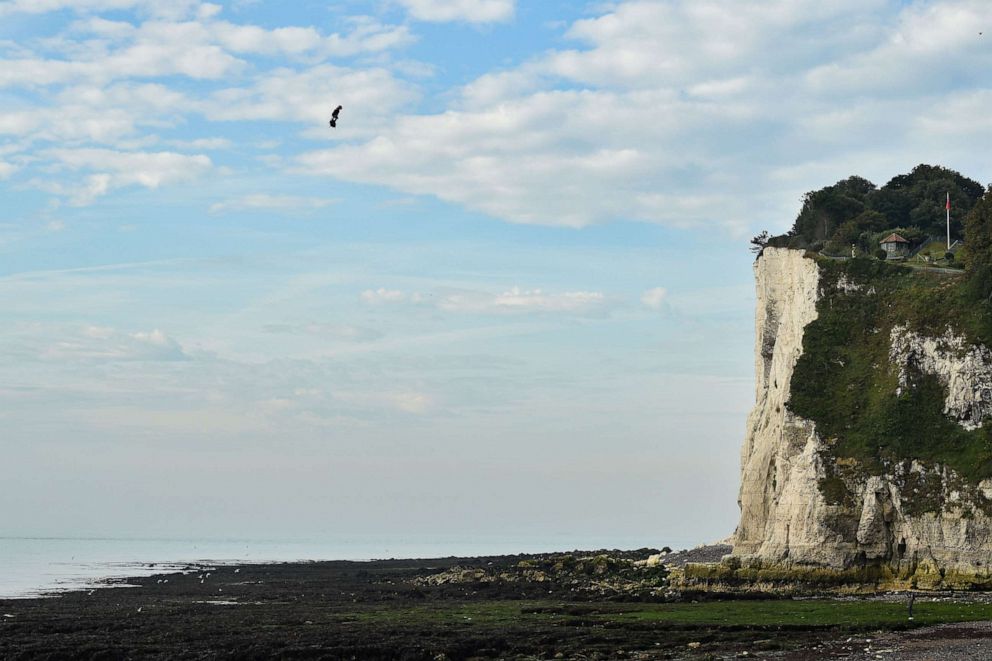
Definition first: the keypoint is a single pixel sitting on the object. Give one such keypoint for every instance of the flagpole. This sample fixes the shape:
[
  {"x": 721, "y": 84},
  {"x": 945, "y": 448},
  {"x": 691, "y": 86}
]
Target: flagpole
[{"x": 948, "y": 208}]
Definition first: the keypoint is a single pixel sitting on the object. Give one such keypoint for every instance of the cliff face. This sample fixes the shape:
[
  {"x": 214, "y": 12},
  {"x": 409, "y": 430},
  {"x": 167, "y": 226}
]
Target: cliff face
[{"x": 804, "y": 501}]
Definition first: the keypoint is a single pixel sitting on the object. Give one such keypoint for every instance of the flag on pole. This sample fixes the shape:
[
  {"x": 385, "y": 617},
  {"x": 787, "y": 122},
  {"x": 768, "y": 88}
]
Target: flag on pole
[{"x": 948, "y": 207}]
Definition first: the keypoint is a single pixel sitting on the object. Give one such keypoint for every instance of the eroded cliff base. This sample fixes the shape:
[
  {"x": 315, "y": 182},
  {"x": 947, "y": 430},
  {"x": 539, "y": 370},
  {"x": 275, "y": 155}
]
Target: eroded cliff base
[{"x": 732, "y": 577}]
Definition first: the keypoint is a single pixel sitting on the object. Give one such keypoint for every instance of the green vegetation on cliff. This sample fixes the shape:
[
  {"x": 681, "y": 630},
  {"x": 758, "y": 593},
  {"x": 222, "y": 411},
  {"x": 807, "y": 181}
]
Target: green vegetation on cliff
[{"x": 844, "y": 380}]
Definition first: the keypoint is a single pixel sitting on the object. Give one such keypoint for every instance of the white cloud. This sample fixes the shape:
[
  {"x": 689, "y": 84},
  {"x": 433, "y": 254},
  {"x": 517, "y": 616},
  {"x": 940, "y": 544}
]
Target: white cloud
[
  {"x": 382, "y": 295},
  {"x": 409, "y": 402},
  {"x": 308, "y": 96},
  {"x": 151, "y": 50},
  {"x": 469, "y": 11},
  {"x": 114, "y": 169},
  {"x": 91, "y": 90},
  {"x": 104, "y": 51},
  {"x": 99, "y": 343},
  {"x": 337, "y": 331},
  {"x": 511, "y": 301},
  {"x": 171, "y": 8},
  {"x": 92, "y": 113},
  {"x": 413, "y": 402},
  {"x": 367, "y": 36},
  {"x": 709, "y": 113},
  {"x": 209, "y": 144},
  {"x": 654, "y": 298},
  {"x": 534, "y": 160},
  {"x": 931, "y": 45},
  {"x": 691, "y": 114},
  {"x": 265, "y": 202},
  {"x": 524, "y": 300}
]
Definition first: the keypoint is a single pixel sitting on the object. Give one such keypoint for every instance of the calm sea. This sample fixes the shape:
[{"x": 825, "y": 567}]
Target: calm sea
[{"x": 34, "y": 566}]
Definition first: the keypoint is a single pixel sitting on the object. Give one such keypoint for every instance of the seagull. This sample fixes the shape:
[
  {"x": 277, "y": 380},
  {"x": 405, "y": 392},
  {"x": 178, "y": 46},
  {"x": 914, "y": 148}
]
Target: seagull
[{"x": 334, "y": 117}]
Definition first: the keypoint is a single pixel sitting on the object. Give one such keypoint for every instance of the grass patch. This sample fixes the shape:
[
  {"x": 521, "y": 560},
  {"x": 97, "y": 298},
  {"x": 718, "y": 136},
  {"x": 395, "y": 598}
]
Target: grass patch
[
  {"x": 936, "y": 250},
  {"x": 486, "y": 613},
  {"x": 850, "y": 615},
  {"x": 815, "y": 613}
]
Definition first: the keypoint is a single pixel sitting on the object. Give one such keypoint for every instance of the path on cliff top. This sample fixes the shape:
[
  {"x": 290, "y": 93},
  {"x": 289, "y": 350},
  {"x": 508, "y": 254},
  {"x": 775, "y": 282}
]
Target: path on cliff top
[{"x": 918, "y": 267}]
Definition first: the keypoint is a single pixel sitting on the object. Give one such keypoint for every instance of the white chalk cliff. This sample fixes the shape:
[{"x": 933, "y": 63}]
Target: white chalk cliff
[{"x": 786, "y": 520}]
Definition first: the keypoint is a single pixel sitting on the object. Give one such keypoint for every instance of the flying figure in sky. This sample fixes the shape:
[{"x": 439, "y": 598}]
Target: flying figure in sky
[{"x": 334, "y": 117}]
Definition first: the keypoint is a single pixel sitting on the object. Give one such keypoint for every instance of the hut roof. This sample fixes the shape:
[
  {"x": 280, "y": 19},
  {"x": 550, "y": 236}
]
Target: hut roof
[{"x": 893, "y": 238}]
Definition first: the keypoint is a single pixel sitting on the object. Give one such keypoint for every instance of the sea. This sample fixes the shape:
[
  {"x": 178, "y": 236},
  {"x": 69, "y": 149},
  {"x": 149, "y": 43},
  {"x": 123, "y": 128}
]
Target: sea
[{"x": 46, "y": 566}]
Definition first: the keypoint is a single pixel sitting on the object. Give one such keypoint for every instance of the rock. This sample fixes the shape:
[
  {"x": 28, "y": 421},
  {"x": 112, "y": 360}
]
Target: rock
[
  {"x": 781, "y": 506},
  {"x": 655, "y": 560},
  {"x": 966, "y": 371}
]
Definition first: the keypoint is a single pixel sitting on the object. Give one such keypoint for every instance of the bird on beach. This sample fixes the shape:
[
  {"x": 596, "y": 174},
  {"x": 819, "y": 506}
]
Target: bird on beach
[{"x": 334, "y": 117}]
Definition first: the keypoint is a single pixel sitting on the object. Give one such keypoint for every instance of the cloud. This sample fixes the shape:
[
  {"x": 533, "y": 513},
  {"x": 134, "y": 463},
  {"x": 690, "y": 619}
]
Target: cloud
[
  {"x": 303, "y": 96},
  {"x": 469, "y": 11},
  {"x": 524, "y": 300},
  {"x": 931, "y": 45},
  {"x": 367, "y": 36},
  {"x": 108, "y": 115},
  {"x": 114, "y": 169},
  {"x": 533, "y": 161},
  {"x": 691, "y": 114},
  {"x": 382, "y": 295},
  {"x": 337, "y": 331},
  {"x": 654, "y": 298},
  {"x": 261, "y": 201},
  {"x": 171, "y": 9},
  {"x": 153, "y": 50},
  {"x": 208, "y": 144},
  {"x": 511, "y": 301},
  {"x": 100, "y": 86},
  {"x": 408, "y": 402},
  {"x": 413, "y": 402},
  {"x": 103, "y": 51},
  {"x": 99, "y": 343}
]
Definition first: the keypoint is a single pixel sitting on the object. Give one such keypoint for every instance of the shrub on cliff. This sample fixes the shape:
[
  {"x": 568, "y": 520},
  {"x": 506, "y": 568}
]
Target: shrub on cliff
[{"x": 978, "y": 238}]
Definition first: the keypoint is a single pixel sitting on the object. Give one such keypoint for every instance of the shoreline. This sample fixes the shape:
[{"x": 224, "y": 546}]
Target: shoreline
[{"x": 31, "y": 566}]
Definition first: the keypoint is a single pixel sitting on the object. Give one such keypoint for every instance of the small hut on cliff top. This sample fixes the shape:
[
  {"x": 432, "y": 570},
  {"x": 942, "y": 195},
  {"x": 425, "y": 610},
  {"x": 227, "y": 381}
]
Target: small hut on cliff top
[{"x": 895, "y": 246}]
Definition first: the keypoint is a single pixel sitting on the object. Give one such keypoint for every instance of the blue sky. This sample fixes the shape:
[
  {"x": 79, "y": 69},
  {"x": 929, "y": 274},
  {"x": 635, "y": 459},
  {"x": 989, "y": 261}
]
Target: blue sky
[{"x": 511, "y": 292}]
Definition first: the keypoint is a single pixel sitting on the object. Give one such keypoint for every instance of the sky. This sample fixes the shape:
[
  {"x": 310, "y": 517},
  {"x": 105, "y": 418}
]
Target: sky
[{"x": 509, "y": 295}]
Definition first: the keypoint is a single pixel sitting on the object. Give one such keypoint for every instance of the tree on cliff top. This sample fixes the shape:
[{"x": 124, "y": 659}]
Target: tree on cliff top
[{"x": 854, "y": 209}]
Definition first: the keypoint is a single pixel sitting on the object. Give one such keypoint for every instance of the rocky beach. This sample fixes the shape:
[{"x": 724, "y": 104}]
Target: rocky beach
[{"x": 582, "y": 605}]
